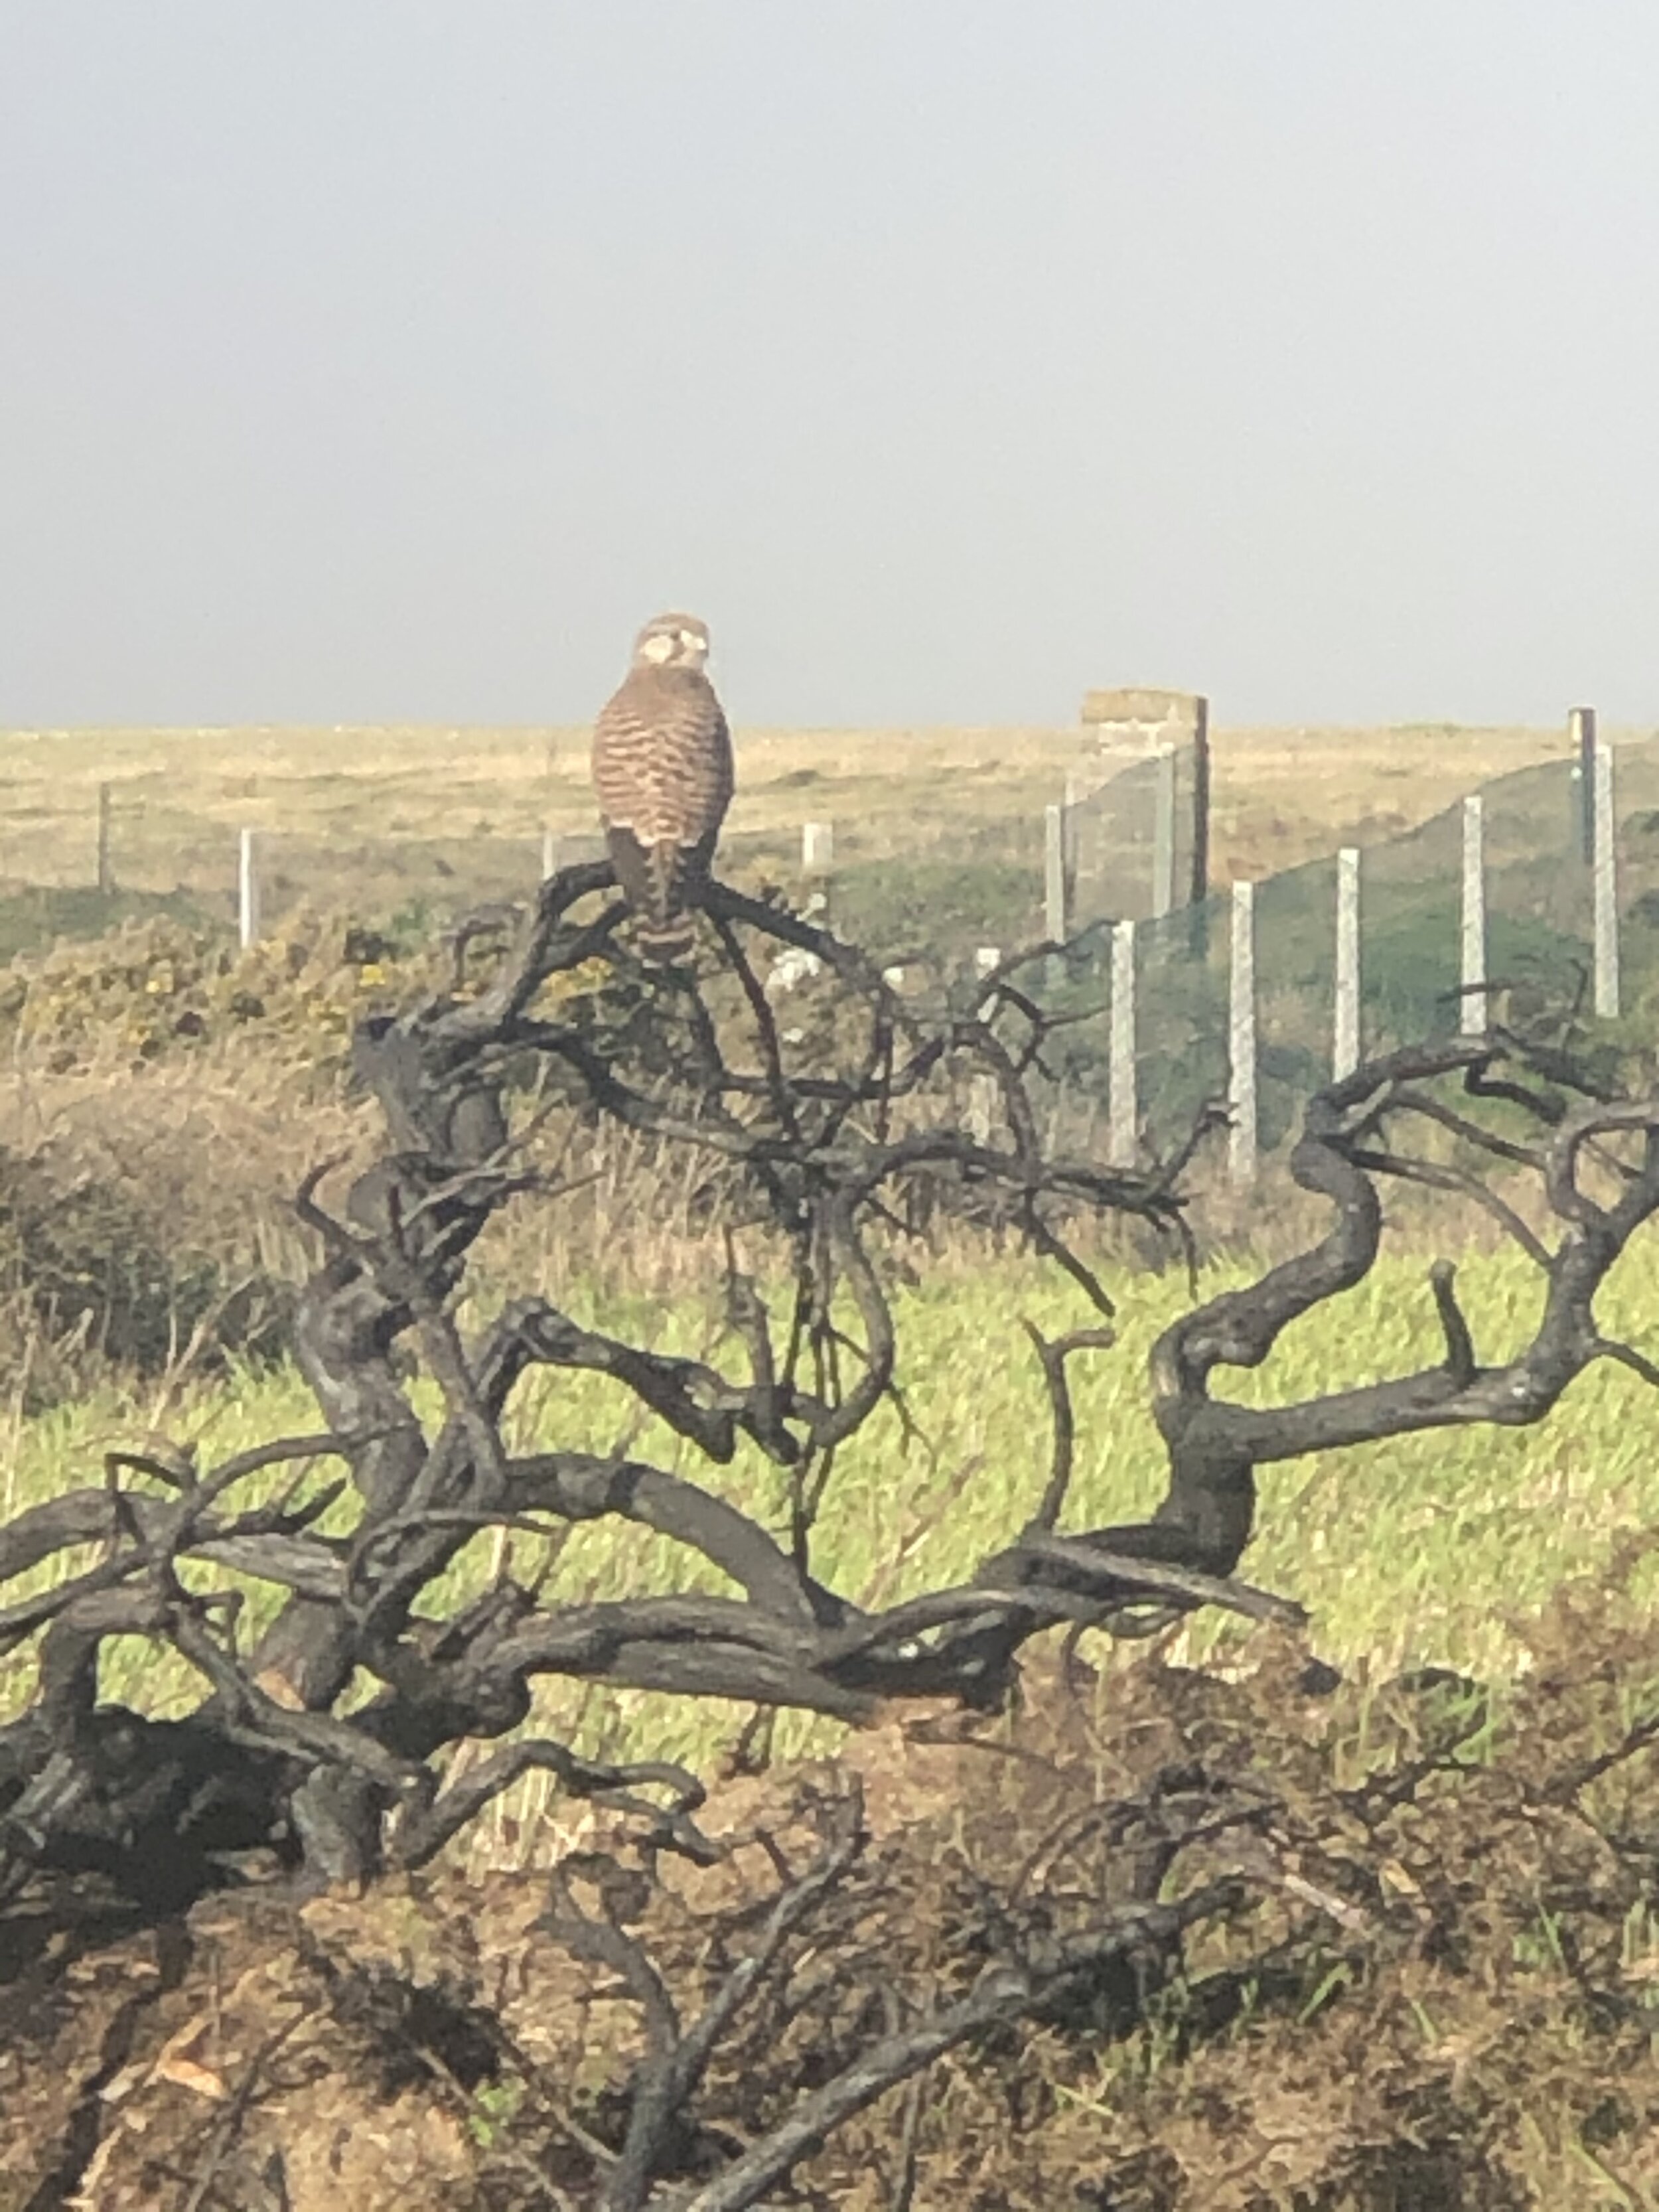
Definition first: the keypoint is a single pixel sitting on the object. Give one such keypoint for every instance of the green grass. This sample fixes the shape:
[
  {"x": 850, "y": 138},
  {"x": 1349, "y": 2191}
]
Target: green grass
[{"x": 1415, "y": 1550}]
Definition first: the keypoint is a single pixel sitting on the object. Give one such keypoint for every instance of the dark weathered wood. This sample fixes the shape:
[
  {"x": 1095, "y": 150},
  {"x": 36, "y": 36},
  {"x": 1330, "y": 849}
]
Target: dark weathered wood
[{"x": 829, "y": 1158}]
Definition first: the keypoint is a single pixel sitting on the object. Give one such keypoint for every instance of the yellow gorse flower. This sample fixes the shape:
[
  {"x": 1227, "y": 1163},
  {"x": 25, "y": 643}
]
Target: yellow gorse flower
[{"x": 163, "y": 987}]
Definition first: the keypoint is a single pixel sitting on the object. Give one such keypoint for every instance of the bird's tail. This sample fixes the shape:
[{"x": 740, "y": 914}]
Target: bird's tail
[
  {"x": 662, "y": 882},
  {"x": 664, "y": 945},
  {"x": 666, "y": 932}
]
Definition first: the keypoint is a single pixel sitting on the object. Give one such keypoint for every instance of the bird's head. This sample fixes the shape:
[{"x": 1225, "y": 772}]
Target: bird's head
[{"x": 671, "y": 641}]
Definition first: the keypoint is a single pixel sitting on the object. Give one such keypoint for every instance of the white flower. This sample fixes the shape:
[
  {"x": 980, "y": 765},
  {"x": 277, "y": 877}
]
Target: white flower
[{"x": 791, "y": 967}]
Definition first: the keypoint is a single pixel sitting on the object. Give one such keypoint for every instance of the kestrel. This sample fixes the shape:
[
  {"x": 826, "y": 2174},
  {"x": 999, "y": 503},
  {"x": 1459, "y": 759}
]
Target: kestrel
[{"x": 662, "y": 769}]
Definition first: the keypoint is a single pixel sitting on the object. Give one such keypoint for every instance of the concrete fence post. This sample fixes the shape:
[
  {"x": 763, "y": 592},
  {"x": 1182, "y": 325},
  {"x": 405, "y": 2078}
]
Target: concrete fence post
[
  {"x": 984, "y": 1096},
  {"x": 247, "y": 890},
  {"x": 1056, "y": 907},
  {"x": 817, "y": 849},
  {"x": 1198, "y": 888},
  {"x": 1581, "y": 736},
  {"x": 550, "y": 854},
  {"x": 1122, "y": 1101},
  {"x": 1163, "y": 829},
  {"x": 1053, "y": 874}
]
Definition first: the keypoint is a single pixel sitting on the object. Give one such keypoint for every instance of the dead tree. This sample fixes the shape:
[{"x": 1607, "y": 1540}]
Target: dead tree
[
  {"x": 828, "y": 1148},
  {"x": 826, "y": 1151},
  {"x": 1529, "y": 1131}
]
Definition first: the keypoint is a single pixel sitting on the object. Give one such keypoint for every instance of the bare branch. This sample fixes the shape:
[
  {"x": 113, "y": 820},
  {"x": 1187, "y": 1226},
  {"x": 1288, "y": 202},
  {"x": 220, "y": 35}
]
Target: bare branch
[
  {"x": 1054, "y": 1358},
  {"x": 1007, "y": 1991}
]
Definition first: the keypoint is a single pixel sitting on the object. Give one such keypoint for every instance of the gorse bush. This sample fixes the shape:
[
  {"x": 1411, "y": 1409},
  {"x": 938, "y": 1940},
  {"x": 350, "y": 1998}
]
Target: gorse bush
[
  {"x": 164, "y": 986},
  {"x": 139, "y": 1208},
  {"x": 173, "y": 1092}
]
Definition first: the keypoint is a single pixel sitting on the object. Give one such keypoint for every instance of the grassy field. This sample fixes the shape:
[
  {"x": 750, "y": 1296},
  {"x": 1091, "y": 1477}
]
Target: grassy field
[
  {"x": 1418, "y": 1550},
  {"x": 1427, "y": 1549},
  {"x": 386, "y": 815}
]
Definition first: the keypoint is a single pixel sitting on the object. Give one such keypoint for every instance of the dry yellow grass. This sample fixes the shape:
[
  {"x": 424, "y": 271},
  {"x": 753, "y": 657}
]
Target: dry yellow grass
[
  {"x": 419, "y": 805},
  {"x": 1283, "y": 796}
]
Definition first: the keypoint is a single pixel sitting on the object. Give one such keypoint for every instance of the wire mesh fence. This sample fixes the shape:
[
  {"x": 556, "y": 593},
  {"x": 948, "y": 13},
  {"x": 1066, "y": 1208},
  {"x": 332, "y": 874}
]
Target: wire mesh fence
[
  {"x": 940, "y": 878},
  {"x": 1122, "y": 849},
  {"x": 1130, "y": 838},
  {"x": 1486, "y": 910}
]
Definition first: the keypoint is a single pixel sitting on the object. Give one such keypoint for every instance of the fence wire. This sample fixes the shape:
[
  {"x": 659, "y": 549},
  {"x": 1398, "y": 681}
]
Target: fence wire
[
  {"x": 938, "y": 889},
  {"x": 1537, "y": 907},
  {"x": 1130, "y": 838}
]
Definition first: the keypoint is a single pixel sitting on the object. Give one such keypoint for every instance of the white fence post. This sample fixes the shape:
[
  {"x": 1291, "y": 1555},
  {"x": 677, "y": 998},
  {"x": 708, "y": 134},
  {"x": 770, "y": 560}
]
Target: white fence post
[
  {"x": 1240, "y": 1037},
  {"x": 1581, "y": 736},
  {"x": 550, "y": 854},
  {"x": 1053, "y": 874},
  {"x": 1345, "y": 1047},
  {"x": 1163, "y": 811},
  {"x": 1122, "y": 1105},
  {"x": 1471, "y": 1000},
  {"x": 817, "y": 847},
  {"x": 1606, "y": 889},
  {"x": 982, "y": 1092},
  {"x": 1056, "y": 918},
  {"x": 247, "y": 890}
]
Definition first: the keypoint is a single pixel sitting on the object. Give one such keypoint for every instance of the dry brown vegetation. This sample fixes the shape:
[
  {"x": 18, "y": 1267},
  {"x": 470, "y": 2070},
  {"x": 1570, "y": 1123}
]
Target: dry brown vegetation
[
  {"x": 1427, "y": 1977},
  {"x": 1435, "y": 1987},
  {"x": 369, "y": 813},
  {"x": 1163, "y": 1938}
]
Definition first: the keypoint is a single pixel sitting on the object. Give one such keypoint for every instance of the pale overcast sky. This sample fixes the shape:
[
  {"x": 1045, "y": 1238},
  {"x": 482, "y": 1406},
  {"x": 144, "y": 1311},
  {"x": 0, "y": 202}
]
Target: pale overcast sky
[{"x": 383, "y": 360}]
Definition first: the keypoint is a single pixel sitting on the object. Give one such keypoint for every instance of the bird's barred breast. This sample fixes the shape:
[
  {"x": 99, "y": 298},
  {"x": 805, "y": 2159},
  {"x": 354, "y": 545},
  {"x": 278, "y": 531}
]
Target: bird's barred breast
[{"x": 662, "y": 761}]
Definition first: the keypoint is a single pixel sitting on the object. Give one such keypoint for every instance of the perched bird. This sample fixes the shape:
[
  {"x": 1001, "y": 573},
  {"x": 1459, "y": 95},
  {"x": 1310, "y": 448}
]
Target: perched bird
[{"x": 662, "y": 769}]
